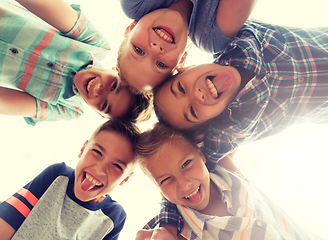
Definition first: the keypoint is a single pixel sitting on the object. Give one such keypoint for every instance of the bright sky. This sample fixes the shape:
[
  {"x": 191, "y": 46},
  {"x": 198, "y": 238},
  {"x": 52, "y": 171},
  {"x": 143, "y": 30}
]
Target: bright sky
[{"x": 289, "y": 167}]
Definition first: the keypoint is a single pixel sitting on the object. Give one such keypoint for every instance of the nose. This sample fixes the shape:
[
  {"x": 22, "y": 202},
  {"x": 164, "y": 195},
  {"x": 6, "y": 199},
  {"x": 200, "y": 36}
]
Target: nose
[
  {"x": 155, "y": 47},
  {"x": 100, "y": 169},
  {"x": 98, "y": 89},
  {"x": 198, "y": 95},
  {"x": 184, "y": 183}
]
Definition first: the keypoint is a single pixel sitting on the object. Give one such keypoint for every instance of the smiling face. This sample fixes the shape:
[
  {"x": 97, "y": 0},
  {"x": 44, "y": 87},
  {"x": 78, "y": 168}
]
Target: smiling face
[
  {"x": 179, "y": 171},
  {"x": 101, "y": 90},
  {"x": 153, "y": 48},
  {"x": 198, "y": 94},
  {"x": 105, "y": 162}
]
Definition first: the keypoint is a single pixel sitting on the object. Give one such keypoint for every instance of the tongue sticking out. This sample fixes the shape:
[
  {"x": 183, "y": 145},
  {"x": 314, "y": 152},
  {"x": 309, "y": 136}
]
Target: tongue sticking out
[
  {"x": 222, "y": 81},
  {"x": 87, "y": 185},
  {"x": 195, "y": 198}
]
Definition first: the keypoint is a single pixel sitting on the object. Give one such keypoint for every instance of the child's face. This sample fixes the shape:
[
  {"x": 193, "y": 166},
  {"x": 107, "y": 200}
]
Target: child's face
[
  {"x": 101, "y": 90},
  {"x": 105, "y": 162},
  {"x": 198, "y": 94},
  {"x": 180, "y": 173},
  {"x": 153, "y": 48}
]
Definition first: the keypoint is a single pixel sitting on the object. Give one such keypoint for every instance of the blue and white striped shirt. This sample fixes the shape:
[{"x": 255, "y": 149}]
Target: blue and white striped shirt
[{"x": 36, "y": 58}]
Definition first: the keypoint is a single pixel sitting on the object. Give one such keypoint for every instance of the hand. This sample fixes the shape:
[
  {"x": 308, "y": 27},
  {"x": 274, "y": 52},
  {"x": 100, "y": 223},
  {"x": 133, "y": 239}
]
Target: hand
[{"x": 155, "y": 234}]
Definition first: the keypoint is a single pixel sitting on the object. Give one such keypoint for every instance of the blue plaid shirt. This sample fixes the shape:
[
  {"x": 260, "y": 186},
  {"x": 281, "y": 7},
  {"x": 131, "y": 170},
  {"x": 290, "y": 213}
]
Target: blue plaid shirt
[
  {"x": 291, "y": 87},
  {"x": 41, "y": 61}
]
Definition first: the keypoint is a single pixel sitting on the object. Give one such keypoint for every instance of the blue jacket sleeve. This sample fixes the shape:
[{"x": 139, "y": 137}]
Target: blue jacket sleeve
[{"x": 137, "y": 9}]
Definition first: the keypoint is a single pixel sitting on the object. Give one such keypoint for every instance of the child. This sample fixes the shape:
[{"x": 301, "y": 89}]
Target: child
[
  {"x": 65, "y": 203},
  {"x": 219, "y": 205},
  {"x": 45, "y": 72},
  {"x": 155, "y": 43}
]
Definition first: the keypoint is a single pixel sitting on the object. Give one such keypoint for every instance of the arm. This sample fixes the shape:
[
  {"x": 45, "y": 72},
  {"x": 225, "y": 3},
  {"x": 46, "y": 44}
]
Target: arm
[
  {"x": 56, "y": 12},
  {"x": 6, "y": 231},
  {"x": 15, "y": 102},
  {"x": 232, "y": 14}
]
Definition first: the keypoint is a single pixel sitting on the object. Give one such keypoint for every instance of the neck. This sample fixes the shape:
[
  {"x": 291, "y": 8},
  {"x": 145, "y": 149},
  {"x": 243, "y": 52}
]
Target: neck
[
  {"x": 184, "y": 7},
  {"x": 215, "y": 207}
]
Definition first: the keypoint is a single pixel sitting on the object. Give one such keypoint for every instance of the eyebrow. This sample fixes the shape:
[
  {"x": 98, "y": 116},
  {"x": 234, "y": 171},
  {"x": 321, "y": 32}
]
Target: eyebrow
[{"x": 172, "y": 91}]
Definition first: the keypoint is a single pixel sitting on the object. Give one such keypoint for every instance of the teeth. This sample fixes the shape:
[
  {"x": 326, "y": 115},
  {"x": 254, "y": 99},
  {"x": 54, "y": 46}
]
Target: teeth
[
  {"x": 193, "y": 193},
  {"x": 212, "y": 88},
  {"x": 164, "y": 35},
  {"x": 89, "y": 84},
  {"x": 93, "y": 180}
]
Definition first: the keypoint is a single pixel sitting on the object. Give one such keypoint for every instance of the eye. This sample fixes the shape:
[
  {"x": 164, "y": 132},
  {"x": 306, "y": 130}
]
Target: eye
[
  {"x": 114, "y": 85},
  {"x": 181, "y": 89},
  {"x": 138, "y": 50},
  {"x": 186, "y": 163},
  {"x": 164, "y": 180},
  {"x": 103, "y": 107},
  {"x": 192, "y": 111},
  {"x": 118, "y": 167},
  {"x": 161, "y": 65},
  {"x": 97, "y": 152}
]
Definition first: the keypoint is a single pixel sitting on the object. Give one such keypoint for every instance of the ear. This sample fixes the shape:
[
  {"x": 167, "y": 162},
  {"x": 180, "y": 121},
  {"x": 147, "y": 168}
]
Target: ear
[
  {"x": 182, "y": 61},
  {"x": 129, "y": 28},
  {"x": 82, "y": 149},
  {"x": 126, "y": 179}
]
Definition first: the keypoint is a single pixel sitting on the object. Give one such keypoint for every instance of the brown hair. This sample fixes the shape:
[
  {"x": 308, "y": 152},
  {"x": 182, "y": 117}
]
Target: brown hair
[
  {"x": 151, "y": 142},
  {"x": 126, "y": 128}
]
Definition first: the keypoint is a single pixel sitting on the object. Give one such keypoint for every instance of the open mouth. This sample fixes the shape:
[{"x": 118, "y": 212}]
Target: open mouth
[
  {"x": 165, "y": 35},
  {"x": 89, "y": 84},
  {"x": 194, "y": 197},
  {"x": 214, "y": 92},
  {"x": 219, "y": 83},
  {"x": 90, "y": 183}
]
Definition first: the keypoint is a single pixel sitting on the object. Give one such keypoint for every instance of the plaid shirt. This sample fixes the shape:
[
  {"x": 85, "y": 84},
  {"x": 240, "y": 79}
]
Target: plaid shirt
[
  {"x": 291, "y": 87},
  {"x": 41, "y": 61}
]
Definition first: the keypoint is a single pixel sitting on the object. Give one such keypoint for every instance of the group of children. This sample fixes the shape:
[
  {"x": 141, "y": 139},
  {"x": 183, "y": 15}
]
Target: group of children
[{"x": 264, "y": 78}]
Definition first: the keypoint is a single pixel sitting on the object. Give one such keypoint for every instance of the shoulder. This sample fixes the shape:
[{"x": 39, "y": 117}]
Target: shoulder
[{"x": 114, "y": 210}]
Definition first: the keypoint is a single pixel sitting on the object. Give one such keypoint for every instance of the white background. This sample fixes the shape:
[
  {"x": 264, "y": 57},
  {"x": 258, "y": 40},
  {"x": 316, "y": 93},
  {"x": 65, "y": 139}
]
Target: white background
[{"x": 289, "y": 167}]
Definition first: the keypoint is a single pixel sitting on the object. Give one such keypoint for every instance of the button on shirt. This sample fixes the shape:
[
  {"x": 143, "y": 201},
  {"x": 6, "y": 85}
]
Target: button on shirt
[
  {"x": 41, "y": 61},
  {"x": 255, "y": 216}
]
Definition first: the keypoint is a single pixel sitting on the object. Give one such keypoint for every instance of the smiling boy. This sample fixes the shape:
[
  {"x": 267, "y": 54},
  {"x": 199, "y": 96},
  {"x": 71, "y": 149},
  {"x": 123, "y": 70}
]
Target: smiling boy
[
  {"x": 218, "y": 205},
  {"x": 65, "y": 203}
]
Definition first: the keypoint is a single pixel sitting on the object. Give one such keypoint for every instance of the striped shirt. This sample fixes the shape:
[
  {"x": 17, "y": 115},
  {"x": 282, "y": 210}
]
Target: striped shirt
[
  {"x": 254, "y": 215},
  {"x": 38, "y": 59},
  {"x": 291, "y": 85}
]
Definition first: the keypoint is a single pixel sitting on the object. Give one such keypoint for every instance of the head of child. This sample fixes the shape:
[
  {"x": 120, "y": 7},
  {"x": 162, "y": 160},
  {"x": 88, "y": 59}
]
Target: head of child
[
  {"x": 152, "y": 49},
  {"x": 175, "y": 165},
  {"x": 196, "y": 94},
  {"x": 107, "y": 160},
  {"x": 102, "y": 90}
]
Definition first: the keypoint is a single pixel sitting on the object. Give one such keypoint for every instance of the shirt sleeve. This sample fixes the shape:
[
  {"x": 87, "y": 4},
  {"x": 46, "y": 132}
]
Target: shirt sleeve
[
  {"x": 17, "y": 207},
  {"x": 62, "y": 111},
  {"x": 117, "y": 214},
  {"x": 169, "y": 214},
  {"x": 137, "y": 9},
  {"x": 85, "y": 32}
]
